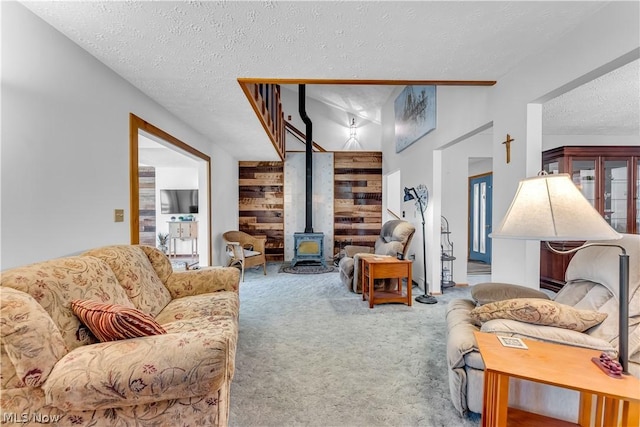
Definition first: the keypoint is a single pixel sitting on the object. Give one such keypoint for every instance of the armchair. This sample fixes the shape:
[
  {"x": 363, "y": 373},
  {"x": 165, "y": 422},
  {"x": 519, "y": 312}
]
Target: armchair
[
  {"x": 592, "y": 285},
  {"x": 395, "y": 237},
  {"x": 245, "y": 250}
]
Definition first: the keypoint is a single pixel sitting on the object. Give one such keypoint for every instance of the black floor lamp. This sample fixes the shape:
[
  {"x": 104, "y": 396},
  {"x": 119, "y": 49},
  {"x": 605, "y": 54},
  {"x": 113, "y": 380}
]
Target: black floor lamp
[{"x": 421, "y": 195}]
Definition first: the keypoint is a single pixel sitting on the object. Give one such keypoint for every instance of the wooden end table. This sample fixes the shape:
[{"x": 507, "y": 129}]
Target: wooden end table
[
  {"x": 557, "y": 365},
  {"x": 385, "y": 267}
]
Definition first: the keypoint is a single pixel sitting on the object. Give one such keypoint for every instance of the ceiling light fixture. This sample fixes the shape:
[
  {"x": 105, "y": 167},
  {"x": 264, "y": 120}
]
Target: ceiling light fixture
[{"x": 352, "y": 143}]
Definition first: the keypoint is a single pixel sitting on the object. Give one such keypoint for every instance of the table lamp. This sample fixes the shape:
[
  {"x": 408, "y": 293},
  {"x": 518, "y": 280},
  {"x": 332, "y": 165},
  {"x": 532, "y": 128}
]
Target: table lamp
[{"x": 550, "y": 208}]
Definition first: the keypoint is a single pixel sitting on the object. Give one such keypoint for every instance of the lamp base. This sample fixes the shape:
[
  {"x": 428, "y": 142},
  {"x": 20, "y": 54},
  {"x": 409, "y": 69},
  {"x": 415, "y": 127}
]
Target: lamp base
[{"x": 426, "y": 299}]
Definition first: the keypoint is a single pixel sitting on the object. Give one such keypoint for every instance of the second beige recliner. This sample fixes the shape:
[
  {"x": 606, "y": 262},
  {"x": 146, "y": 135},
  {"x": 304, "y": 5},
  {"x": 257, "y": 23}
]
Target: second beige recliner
[{"x": 395, "y": 237}]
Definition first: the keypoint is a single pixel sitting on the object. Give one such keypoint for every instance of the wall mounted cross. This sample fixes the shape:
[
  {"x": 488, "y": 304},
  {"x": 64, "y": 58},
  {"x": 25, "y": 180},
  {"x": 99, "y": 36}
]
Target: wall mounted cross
[{"x": 507, "y": 144}]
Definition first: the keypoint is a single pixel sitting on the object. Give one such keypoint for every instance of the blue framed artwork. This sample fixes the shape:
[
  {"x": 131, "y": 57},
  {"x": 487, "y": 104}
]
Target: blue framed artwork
[{"x": 415, "y": 111}]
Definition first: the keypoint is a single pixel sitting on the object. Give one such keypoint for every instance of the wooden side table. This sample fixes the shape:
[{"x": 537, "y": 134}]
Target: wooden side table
[
  {"x": 557, "y": 365},
  {"x": 385, "y": 267},
  {"x": 183, "y": 230}
]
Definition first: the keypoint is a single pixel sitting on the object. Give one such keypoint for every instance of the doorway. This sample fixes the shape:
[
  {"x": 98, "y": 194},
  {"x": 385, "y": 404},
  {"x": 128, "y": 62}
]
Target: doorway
[
  {"x": 170, "y": 151},
  {"x": 480, "y": 203},
  {"x": 392, "y": 189}
]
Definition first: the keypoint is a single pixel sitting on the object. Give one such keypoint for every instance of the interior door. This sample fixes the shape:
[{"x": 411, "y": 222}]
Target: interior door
[
  {"x": 140, "y": 127},
  {"x": 480, "y": 202}
]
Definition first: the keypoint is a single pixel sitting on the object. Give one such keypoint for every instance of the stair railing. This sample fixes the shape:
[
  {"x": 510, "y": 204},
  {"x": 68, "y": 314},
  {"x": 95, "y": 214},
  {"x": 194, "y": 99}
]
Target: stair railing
[{"x": 265, "y": 100}]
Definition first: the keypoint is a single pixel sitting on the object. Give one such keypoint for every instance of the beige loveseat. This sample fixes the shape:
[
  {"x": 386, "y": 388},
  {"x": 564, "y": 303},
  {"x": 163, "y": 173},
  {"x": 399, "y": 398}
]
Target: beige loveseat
[
  {"x": 54, "y": 368},
  {"x": 592, "y": 285},
  {"x": 395, "y": 237}
]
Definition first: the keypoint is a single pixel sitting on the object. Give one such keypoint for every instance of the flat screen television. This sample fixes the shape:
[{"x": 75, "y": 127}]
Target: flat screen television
[{"x": 179, "y": 201}]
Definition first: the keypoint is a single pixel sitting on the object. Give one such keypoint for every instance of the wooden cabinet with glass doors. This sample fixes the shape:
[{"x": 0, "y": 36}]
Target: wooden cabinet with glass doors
[{"x": 609, "y": 177}]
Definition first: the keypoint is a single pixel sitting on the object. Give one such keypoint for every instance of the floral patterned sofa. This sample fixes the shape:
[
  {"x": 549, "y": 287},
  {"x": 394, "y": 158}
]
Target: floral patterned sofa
[{"x": 53, "y": 368}]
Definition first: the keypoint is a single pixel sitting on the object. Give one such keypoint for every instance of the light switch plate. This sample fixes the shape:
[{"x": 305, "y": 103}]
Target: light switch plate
[{"x": 119, "y": 215}]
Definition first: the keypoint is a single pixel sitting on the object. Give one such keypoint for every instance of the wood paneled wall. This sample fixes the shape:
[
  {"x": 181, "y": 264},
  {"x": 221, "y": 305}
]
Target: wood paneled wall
[
  {"x": 357, "y": 203},
  {"x": 147, "y": 204},
  {"x": 261, "y": 204},
  {"x": 358, "y": 198}
]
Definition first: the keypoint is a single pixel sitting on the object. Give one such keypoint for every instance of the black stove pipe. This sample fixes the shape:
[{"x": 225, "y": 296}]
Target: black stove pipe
[{"x": 309, "y": 160}]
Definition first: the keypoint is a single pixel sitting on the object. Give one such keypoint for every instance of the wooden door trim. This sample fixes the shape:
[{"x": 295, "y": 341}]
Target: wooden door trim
[
  {"x": 478, "y": 176},
  {"x": 136, "y": 124},
  {"x": 259, "y": 80}
]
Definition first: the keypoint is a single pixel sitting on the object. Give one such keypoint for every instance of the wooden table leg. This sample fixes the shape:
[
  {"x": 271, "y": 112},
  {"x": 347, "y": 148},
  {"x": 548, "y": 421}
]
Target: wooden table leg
[
  {"x": 611, "y": 407},
  {"x": 599, "y": 409},
  {"x": 409, "y": 284},
  {"x": 496, "y": 399},
  {"x": 630, "y": 413},
  {"x": 371, "y": 281},
  {"x": 584, "y": 413},
  {"x": 607, "y": 411},
  {"x": 362, "y": 276}
]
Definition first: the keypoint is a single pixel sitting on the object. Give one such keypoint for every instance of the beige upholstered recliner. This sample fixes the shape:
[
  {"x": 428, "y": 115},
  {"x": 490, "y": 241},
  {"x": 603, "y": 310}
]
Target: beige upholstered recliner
[
  {"x": 245, "y": 250},
  {"x": 395, "y": 237},
  {"x": 592, "y": 284}
]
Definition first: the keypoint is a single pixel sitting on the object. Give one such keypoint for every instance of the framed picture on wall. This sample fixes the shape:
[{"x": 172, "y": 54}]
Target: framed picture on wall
[{"x": 415, "y": 113}]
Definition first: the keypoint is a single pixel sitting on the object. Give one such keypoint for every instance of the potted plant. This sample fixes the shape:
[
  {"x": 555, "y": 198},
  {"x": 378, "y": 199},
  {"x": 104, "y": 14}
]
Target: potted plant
[{"x": 163, "y": 239}]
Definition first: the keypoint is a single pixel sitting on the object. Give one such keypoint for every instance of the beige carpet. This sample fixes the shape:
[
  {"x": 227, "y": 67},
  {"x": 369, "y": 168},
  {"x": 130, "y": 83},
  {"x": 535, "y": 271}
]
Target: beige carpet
[{"x": 311, "y": 353}]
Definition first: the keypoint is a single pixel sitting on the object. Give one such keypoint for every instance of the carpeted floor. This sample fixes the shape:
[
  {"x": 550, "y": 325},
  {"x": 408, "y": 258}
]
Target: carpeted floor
[{"x": 311, "y": 353}]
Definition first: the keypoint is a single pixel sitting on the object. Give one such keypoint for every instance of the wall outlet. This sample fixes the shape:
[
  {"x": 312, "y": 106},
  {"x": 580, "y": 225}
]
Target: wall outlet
[
  {"x": 412, "y": 257},
  {"x": 118, "y": 215}
]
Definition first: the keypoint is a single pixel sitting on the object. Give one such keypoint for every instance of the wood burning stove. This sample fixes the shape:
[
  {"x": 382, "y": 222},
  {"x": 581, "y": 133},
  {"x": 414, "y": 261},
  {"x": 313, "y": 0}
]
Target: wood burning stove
[{"x": 308, "y": 246}]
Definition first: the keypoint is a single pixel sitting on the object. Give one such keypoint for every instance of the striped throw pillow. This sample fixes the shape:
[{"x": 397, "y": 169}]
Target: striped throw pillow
[{"x": 111, "y": 322}]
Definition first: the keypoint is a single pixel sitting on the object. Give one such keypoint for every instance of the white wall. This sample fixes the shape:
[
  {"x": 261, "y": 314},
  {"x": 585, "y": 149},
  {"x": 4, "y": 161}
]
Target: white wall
[
  {"x": 65, "y": 146},
  {"x": 392, "y": 196},
  {"x": 460, "y": 111},
  {"x": 479, "y": 166},
  {"x": 455, "y": 197},
  {"x": 330, "y": 125},
  {"x": 609, "y": 34},
  {"x": 175, "y": 178},
  {"x": 224, "y": 200},
  {"x": 295, "y": 202}
]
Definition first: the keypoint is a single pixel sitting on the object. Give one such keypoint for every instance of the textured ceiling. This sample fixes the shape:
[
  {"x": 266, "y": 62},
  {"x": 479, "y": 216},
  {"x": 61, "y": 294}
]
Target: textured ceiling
[
  {"x": 187, "y": 56},
  {"x": 608, "y": 105}
]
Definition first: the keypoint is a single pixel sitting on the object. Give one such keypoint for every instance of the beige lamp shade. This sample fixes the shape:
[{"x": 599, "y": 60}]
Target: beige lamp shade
[{"x": 551, "y": 208}]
